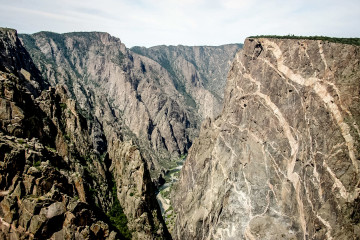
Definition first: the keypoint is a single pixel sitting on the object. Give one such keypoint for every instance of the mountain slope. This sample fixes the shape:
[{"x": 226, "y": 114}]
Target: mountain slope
[
  {"x": 282, "y": 160},
  {"x": 102, "y": 74},
  {"x": 56, "y": 181},
  {"x": 130, "y": 94},
  {"x": 199, "y": 72}
]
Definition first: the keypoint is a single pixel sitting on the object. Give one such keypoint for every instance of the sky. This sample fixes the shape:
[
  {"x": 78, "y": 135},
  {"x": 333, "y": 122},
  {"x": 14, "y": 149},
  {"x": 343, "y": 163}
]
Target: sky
[{"x": 187, "y": 22}]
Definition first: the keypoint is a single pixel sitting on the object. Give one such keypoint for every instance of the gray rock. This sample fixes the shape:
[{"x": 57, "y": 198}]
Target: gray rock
[
  {"x": 55, "y": 209},
  {"x": 199, "y": 72},
  {"x": 36, "y": 223},
  {"x": 281, "y": 161},
  {"x": 156, "y": 98},
  {"x": 59, "y": 166}
]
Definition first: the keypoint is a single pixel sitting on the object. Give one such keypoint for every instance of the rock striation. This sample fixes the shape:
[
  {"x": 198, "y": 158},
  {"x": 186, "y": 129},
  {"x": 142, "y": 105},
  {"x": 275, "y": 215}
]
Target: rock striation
[
  {"x": 282, "y": 160},
  {"x": 57, "y": 178}
]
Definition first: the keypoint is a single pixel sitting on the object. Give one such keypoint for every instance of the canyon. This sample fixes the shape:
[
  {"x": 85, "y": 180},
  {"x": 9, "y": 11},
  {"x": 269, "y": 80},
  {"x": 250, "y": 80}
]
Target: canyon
[
  {"x": 159, "y": 102},
  {"x": 92, "y": 127},
  {"x": 253, "y": 141},
  {"x": 55, "y": 182}
]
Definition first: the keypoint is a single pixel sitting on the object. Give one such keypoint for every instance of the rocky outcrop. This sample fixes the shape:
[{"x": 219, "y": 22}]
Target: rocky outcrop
[
  {"x": 57, "y": 177},
  {"x": 136, "y": 192},
  {"x": 16, "y": 60},
  {"x": 43, "y": 193},
  {"x": 39, "y": 198},
  {"x": 199, "y": 73},
  {"x": 282, "y": 160}
]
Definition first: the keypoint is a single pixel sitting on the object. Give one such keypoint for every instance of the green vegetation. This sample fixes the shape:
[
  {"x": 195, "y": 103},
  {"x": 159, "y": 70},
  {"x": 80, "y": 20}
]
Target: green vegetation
[
  {"x": 44, "y": 61},
  {"x": 89, "y": 36},
  {"x": 167, "y": 177},
  {"x": 166, "y": 193},
  {"x": 36, "y": 54},
  {"x": 86, "y": 114},
  {"x": 21, "y": 141},
  {"x": 169, "y": 209},
  {"x": 119, "y": 59},
  {"x": 67, "y": 137},
  {"x": 29, "y": 41},
  {"x": 117, "y": 216},
  {"x": 165, "y": 63},
  {"x": 351, "y": 41},
  {"x": 137, "y": 50},
  {"x": 177, "y": 174},
  {"x": 37, "y": 163},
  {"x": 170, "y": 217},
  {"x": 50, "y": 149},
  {"x": 59, "y": 39},
  {"x": 63, "y": 106},
  {"x": 87, "y": 158},
  {"x": 93, "y": 193}
]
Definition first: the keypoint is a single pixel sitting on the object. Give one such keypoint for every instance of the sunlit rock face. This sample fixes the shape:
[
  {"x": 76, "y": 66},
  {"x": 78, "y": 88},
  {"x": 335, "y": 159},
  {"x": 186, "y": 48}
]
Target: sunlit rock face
[
  {"x": 198, "y": 71},
  {"x": 155, "y": 97},
  {"x": 55, "y": 183},
  {"x": 282, "y": 160},
  {"x": 121, "y": 92}
]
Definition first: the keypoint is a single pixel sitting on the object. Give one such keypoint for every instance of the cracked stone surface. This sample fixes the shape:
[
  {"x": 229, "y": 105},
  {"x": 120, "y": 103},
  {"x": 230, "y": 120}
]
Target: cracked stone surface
[{"x": 282, "y": 160}]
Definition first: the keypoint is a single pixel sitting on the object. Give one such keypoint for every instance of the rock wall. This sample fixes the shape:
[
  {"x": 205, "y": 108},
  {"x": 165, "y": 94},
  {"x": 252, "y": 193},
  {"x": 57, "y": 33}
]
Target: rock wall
[
  {"x": 56, "y": 181},
  {"x": 156, "y": 98},
  {"x": 197, "y": 71},
  {"x": 126, "y": 93},
  {"x": 282, "y": 160}
]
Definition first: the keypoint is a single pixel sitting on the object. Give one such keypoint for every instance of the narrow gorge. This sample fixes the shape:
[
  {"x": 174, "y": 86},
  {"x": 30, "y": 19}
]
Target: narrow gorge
[
  {"x": 253, "y": 141},
  {"x": 94, "y": 126},
  {"x": 156, "y": 101}
]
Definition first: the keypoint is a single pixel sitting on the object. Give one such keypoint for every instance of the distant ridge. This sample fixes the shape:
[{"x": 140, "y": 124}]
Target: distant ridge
[{"x": 351, "y": 41}]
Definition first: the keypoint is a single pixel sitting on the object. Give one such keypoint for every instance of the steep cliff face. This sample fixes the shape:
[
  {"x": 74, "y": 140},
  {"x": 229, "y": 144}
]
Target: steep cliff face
[
  {"x": 15, "y": 59},
  {"x": 56, "y": 181},
  {"x": 156, "y": 99},
  {"x": 126, "y": 93},
  {"x": 199, "y": 72},
  {"x": 282, "y": 160},
  {"x": 128, "y": 100}
]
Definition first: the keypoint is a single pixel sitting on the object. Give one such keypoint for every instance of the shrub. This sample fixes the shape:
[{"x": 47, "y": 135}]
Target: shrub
[
  {"x": 63, "y": 106},
  {"x": 117, "y": 216},
  {"x": 67, "y": 137},
  {"x": 36, "y": 163}
]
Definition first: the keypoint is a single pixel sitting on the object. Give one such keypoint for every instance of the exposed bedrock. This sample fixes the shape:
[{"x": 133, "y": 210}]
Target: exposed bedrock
[{"x": 282, "y": 160}]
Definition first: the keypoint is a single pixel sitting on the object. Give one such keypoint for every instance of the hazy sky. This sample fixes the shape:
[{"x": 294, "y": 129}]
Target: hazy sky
[{"x": 187, "y": 22}]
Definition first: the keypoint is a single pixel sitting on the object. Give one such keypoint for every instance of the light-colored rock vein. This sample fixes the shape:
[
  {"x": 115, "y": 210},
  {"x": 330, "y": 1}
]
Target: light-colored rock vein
[
  {"x": 321, "y": 91},
  {"x": 294, "y": 145}
]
